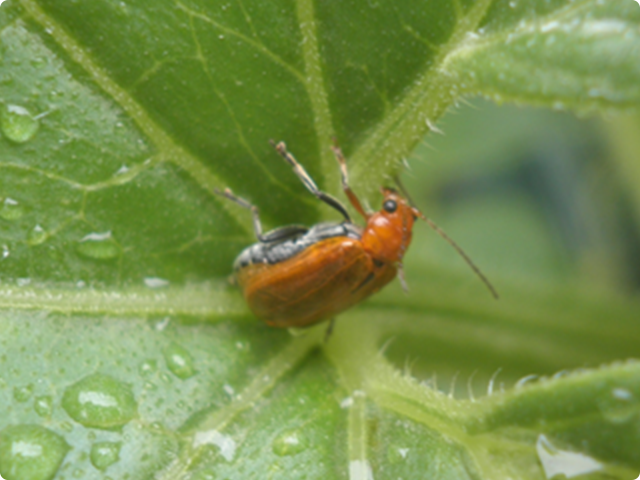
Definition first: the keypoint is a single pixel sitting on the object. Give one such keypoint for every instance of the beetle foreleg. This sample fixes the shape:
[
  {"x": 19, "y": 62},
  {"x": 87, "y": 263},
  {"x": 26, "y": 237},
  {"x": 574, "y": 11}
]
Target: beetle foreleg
[
  {"x": 344, "y": 175},
  {"x": 368, "y": 278},
  {"x": 403, "y": 281}
]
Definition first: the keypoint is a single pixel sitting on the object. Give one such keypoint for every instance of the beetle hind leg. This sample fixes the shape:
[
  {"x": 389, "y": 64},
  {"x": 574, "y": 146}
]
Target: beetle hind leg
[{"x": 308, "y": 182}]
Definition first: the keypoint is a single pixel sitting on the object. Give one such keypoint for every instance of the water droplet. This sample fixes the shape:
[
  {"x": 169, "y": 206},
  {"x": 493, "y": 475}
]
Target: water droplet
[
  {"x": 11, "y": 209},
  {"x": 289, "y": 442},
  {"x": 346, "y": 402},
  {"x": 17, "y": 124},
  {"x": 37, "y": 236},
  {"x": 225, "y": 443},
  {"x": 105, "y": 454},
  {"x": 179, "y": 361},
  {"x": 157, "y": 427},
  {"x": 396, "y": 454},
  {"x": 162, "y": 324},
  {"x": 562, "y": 462},
  {"x": 619, "y": 407},
  {"x": 622, "y": 394},
  {"x": 22, "y": 394},
  {"x": 5, "y": 252},
  {"x": 155, "y": 282},
  {"x": 100, "y": 401},
  {"x": 43, "y": 405},
  {"x": 30, "y": 452},
  {"x": 99, "y": 246},
  {"x": 148, "y": 367}
]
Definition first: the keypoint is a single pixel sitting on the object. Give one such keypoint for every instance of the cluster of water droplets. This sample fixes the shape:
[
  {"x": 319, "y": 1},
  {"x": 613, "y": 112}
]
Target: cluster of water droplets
[
  {"x": 34, "y": 452},
  {"x": 97, "y": 402},
  {"x": 19, "y": 125}
]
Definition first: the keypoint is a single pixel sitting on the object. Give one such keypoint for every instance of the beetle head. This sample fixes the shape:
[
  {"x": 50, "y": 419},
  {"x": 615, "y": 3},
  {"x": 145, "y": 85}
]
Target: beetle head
[{"x": 388, "y": 232}]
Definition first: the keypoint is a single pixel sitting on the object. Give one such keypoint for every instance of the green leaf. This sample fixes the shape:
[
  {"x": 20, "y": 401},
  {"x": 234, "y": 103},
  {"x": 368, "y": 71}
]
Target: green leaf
[
  {"x": 555, "y": 54},
  {"x": 123, "y": 350}
]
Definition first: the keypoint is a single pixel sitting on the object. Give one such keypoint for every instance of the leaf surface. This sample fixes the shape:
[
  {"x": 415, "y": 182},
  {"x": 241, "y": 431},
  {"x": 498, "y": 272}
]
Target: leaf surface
[{"x": 124, "y": 352}]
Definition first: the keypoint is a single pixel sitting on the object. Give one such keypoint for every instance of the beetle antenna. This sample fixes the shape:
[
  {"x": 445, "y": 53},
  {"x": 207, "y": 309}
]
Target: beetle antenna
[
  {"x": 449, "y": 240},
  {"x": 462, "y": 253}
]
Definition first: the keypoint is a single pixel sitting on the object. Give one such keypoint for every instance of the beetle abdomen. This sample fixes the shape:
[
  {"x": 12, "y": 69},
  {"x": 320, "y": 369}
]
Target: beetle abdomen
[{"x": 318, "y": 282}]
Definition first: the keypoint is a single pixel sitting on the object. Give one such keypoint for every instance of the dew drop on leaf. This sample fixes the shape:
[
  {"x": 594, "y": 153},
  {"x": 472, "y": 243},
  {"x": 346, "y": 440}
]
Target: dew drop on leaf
[
  {"x": 179, "y": 361},
  {"x": 155, "y": 282},
  {"x": 619, "y": 407},
  {"x": 17, "y": 124},
  {"x": 105, "y": 454},
  {"x": 147, "y": 368},
  {"x": 99, "y": 246},
  {"x": 100, "y": 401},
  {"x": 397, "y": 454},
  {"x": 225, "y": 443},
  {"x": 37, "y": 235},
  {"x": 23, "y": 393},
  {"x": 30, "y": 452},
  {"x": 11, "y": 209},
  {"x": 289, "y": 442},
  {"x": 43, "y": 405}
]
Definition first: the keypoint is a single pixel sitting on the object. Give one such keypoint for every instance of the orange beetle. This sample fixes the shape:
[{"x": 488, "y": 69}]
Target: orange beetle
[{"x": 297, "y": 276}]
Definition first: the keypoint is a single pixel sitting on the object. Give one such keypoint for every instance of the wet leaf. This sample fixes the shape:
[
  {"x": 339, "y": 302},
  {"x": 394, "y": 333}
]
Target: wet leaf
[{"x": 123, "y": 351}]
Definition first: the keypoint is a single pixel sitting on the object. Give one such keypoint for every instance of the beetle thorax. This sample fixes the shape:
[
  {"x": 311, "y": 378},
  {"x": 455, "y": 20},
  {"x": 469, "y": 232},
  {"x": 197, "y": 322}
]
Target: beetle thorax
[{"x": 387, "y": 237}]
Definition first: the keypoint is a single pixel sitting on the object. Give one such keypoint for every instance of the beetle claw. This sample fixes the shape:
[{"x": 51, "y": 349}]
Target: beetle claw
[{"x": 329, "y": 330}]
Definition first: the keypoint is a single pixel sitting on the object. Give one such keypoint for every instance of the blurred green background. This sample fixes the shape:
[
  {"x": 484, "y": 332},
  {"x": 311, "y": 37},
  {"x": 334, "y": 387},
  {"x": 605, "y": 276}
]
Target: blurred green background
[
  {"x": 548, "y": 206},
  {"x": 533, "y": 195}
]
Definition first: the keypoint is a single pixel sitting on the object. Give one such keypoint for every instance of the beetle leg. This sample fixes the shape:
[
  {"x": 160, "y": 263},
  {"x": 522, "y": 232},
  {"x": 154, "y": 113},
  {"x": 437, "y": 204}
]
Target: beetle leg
[
  {"x": 345, "y": 182},
  {"x": 284, "y": 233},
  {"x": 369, "y": 277},
  {"x": 329, "y": 330},
  {"x": 403, "y": 281},
  {"x": 308, "y": 182},
  {"x": 257, "y": 226}
]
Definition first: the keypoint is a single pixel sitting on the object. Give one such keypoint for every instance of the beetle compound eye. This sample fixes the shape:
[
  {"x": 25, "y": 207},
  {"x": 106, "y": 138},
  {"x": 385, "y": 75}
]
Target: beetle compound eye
[{"x": 390, "y": 206}]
